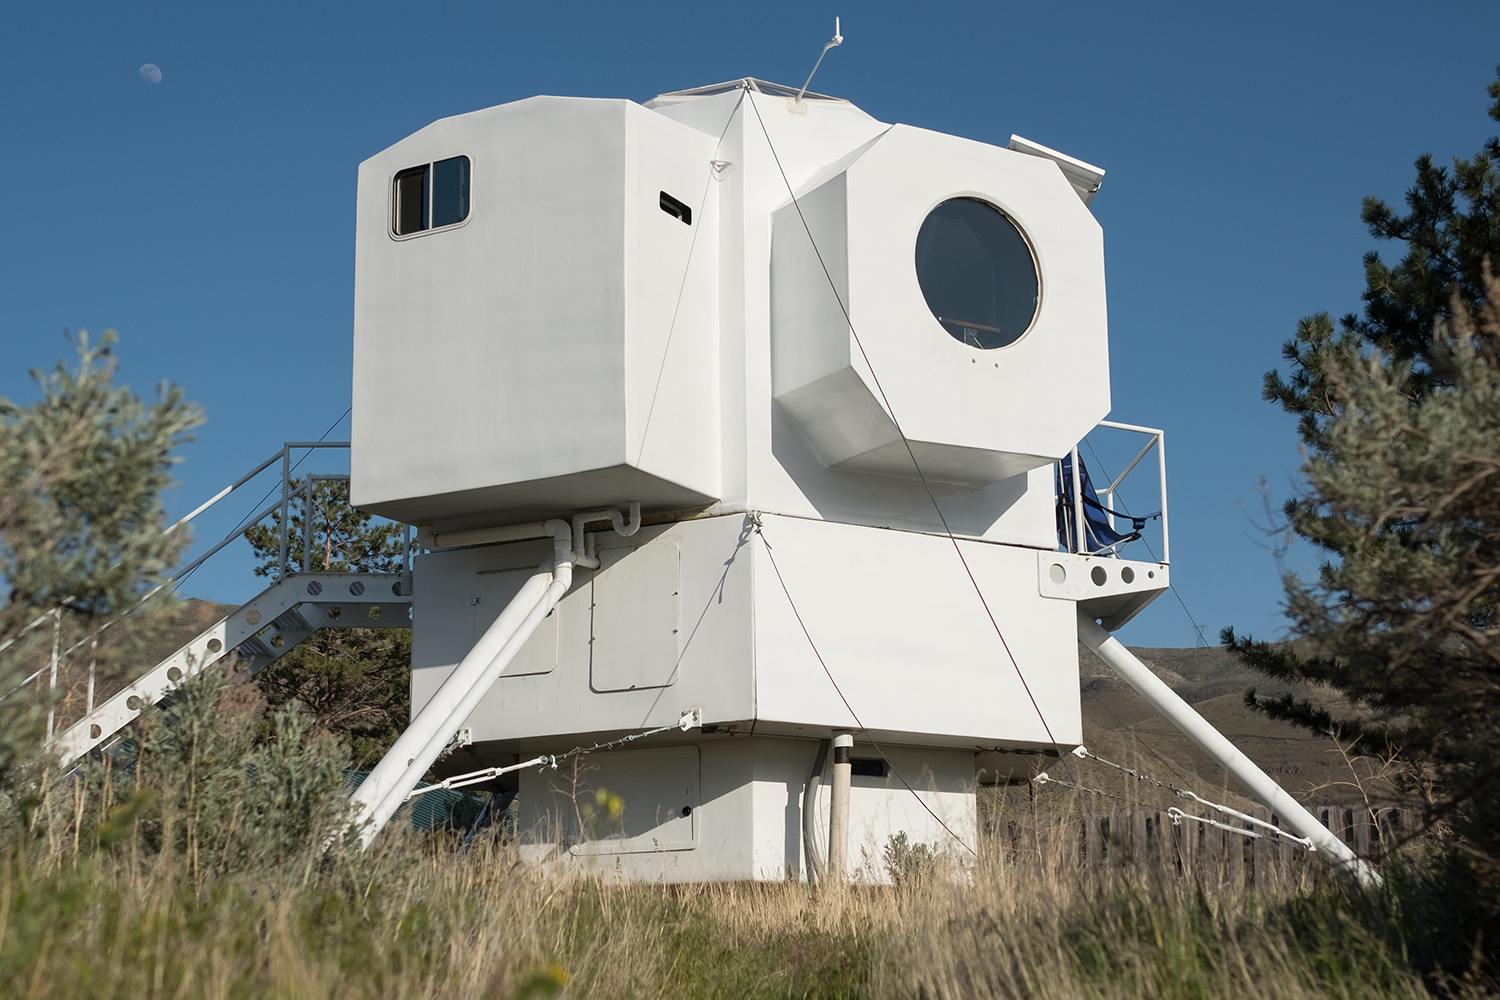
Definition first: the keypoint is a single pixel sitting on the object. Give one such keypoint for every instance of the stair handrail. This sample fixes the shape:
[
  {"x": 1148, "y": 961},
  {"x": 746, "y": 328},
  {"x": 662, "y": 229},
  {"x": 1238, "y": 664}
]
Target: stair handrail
[
  {"x": 284, "y": 454},
  {"x": 285, "y": 567}
]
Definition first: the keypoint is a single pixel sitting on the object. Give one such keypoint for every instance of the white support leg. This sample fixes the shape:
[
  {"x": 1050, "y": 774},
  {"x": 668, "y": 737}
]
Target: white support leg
[
  {"x": 1217, "y": 745},
  {"x": 381, "y": 794}
]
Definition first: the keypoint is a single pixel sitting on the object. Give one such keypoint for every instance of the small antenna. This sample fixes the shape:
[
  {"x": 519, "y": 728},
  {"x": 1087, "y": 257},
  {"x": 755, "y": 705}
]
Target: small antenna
[{"x": 834, "y": 43}]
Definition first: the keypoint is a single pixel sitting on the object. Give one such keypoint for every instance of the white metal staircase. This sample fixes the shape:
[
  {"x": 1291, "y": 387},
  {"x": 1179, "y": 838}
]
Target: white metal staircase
[
  {"x": 258, "y": 633},
  {"x": 267, "y": 627}
]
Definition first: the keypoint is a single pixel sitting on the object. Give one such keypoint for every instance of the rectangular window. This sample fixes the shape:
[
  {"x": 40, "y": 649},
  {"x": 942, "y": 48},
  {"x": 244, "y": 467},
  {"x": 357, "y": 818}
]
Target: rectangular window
[
  {"x": 866, "y": 768},
  {"x": 450, "y": 191},
  {"x": 411, "y": 201},
  {"x": 431, "y": 196}
]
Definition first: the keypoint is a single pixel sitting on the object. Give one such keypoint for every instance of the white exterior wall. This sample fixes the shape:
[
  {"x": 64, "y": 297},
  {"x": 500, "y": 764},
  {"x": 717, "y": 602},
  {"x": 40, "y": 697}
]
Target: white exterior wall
[
  {"x": 575, "y": 347},
  {"x": 746, "y": 822},
  {"x": 908, "y": 642},
  {"x": 972, "y": 417},
  {"x": 713, "y": 668},
  {"x": 767, "y": 464},
  {"x": 511, "y": 366},
  {"x": 892, "y": 613},
  {"x": 571, "y": 346}
]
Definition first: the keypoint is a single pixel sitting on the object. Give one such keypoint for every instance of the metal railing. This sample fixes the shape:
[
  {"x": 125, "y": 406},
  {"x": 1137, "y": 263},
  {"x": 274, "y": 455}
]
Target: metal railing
[
  {"x": 1078, "y": 536},
  {"x": 284, "y": 562},
  {"x": 284, "y": 565}
]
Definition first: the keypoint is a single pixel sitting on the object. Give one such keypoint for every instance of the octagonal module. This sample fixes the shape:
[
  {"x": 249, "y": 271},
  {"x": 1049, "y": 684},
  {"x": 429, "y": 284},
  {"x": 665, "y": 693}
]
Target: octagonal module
[
  {"x": 535, "y": 316},
  {"x": 970, "y": 279}
]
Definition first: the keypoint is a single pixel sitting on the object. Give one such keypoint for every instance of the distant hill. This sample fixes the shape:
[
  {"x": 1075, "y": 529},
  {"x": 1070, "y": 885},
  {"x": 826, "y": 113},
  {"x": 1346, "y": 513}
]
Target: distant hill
[{"x": 1118, "y": 721}]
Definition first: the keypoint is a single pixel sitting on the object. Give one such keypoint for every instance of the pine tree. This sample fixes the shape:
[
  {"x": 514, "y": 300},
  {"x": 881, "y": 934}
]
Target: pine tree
[
  {"x": 356, "y": 682},
  {"x": 1403, "y": 492},
  {"x": 1399, "y": 415},
  {"x": 344, "y": 540},
  {"x": 1452, "y": 228}
]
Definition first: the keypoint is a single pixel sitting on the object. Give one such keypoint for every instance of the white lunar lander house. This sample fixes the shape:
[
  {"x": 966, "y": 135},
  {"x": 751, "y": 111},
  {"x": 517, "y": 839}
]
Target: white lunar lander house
[{"x": 729, "y": 416}]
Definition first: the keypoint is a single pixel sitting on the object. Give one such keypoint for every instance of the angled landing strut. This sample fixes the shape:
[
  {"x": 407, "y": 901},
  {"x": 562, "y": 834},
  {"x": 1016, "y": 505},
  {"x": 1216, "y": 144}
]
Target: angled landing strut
[
  {"x": 1214, "y": 743},
  {"x": 259, "y": 632},
  {"x": 382, "y": 794}
]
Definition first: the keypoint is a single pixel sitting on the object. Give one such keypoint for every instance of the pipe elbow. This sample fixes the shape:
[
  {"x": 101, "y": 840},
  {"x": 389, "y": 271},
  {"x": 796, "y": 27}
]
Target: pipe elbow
[
  {"x": 562, "y": 542},
  {"x": 581, "y": 556},
  {"x": 622, "y": 527}
]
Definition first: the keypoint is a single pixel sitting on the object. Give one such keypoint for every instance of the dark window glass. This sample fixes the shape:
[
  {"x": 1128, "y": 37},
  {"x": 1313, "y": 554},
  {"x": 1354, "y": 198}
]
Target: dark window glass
[
  {"x": 450, "y": 191},
  {"x": 977, "y": 273},
  {"x": 676, "y": 209},
  {"x": 411, "y": 201},
  {"x": 867, "y": 768}
]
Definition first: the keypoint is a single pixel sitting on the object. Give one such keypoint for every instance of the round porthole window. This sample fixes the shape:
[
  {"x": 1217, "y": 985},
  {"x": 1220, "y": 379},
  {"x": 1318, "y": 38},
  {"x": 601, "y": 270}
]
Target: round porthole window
[{"x": 977, "y": 273}]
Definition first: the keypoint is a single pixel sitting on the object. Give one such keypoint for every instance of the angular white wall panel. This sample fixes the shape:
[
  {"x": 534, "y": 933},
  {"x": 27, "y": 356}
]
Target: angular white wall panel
[
  {"x": 908, "y": 641},
  {"x": 657, "y": 790},
  {"x": 635, "y": 619},
  {"x": 559, "y": 347},
  {"x": 707, "y": 663},
  {"x": 844, "y": 257}
]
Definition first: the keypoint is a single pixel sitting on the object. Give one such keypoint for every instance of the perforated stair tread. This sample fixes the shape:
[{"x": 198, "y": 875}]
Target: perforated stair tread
[{"x": 259, "y": 632}]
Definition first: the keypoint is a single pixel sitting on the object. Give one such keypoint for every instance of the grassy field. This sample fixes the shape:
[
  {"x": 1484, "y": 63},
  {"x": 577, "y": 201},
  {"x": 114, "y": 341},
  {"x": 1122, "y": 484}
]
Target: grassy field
[
  {"x": 194, "y": 872},
  {"x": 484, "y": 927},
  {"x": 95, "y": 902}
]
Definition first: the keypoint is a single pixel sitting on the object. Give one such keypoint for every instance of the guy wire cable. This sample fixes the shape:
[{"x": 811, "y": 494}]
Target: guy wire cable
[
  {"x": 1136, "y": 736},
  {"x": 682, "y": 285},
  {"x": 759, "y": 530},
  {"x": 904, "y": 441}
]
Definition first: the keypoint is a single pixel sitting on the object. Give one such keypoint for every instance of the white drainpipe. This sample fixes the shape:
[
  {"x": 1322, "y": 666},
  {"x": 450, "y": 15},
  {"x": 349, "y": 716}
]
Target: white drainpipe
[
  {"x": 816, "y": 870},
  {"x": 583, "y": 552},
  {"x": 1216, "y": 745},
  {"x": 382, "y": 793},
  {"x": 536, "y": 529}
]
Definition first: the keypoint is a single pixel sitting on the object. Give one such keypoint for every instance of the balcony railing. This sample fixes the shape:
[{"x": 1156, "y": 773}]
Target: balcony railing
[{"x": 1088, "y": 518}]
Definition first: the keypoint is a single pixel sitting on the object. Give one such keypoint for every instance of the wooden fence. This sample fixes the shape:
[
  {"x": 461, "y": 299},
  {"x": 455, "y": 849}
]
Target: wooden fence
[{"x": 1152, "y": 841}]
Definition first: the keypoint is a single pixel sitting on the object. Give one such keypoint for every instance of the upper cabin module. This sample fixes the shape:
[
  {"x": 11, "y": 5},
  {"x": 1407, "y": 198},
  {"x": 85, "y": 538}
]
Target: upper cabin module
[{"x": 566, "y": 303}]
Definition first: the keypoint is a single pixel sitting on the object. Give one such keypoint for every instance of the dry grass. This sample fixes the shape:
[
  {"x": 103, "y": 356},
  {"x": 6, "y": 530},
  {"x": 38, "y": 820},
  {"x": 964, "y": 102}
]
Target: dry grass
[
  {"x": 195, "y": 872},
  {"x": 96, "y": 914}
]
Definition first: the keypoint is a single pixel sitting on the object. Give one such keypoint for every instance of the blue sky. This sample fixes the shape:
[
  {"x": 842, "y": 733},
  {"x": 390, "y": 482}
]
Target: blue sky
[{"x": 210, "y": 217}]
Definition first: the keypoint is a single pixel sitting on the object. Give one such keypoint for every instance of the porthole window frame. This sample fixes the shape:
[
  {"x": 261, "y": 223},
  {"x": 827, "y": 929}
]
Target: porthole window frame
[
  {"x": 390, "y": 196},
  {"x": 1036, "y": 264}
]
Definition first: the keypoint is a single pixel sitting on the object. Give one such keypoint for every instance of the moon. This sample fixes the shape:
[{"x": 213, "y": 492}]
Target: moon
[{"x": 151, "y": 73}]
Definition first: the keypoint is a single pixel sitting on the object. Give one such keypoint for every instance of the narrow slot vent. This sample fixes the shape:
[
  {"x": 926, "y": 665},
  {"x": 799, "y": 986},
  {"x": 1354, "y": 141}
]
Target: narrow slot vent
[{"x": 676, "y": 209}]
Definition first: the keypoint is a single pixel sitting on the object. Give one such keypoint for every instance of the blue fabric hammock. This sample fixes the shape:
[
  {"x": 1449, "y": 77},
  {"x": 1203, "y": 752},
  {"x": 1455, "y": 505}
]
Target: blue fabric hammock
[{"x": 1097, "y": 534}]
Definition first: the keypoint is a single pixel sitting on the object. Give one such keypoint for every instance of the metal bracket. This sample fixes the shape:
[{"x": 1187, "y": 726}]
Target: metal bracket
[{"x": 1114, "y": 590}]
